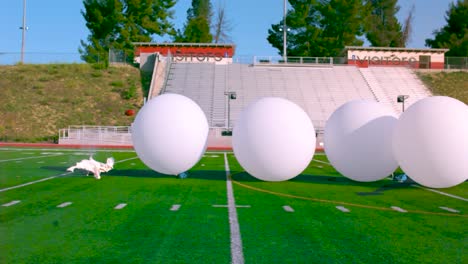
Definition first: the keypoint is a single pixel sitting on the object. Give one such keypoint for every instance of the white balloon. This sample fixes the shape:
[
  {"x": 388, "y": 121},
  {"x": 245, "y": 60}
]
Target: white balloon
[
  {"x": 431, "y": 142},
  {"x": 170, "y": 133},
  {"x": 274, "y": 139},
  {"x": 358, "y": 140}
]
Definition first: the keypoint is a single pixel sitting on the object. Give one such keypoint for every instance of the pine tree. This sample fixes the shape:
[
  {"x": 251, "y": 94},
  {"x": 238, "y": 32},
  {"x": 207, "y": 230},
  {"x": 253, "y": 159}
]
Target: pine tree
[
  {"x": 383, "y": 28},
  {"x": 319, "y": 28},
  {"x": 197, "y": 27},
  {"x": 115, "y": 24},
  {"x": 454, "y": 35}
]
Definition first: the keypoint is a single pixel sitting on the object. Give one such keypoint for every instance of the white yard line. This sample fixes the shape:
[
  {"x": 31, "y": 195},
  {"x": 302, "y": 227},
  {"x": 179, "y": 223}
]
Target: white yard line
[
  {"x": 439, "y": 192},
  {"x": 323, "y": 162},
  {"x": 52, "y": 177},
  {"x": 449, "y": 209},
  {"x": 398, "y": 209},
  {"x": 65, "y": 204},
  {"x": 11, "y": 203},
  {"x": 175, "y": 207},
  {"x": 237, "y": 255},
  {"x": 33, "y": 182},
  {"x": 288, "y": 208},
  {"x": 342, "y": 209},
  {"x": 35, "y": 157},
  {"x": 120, "y": 206}
]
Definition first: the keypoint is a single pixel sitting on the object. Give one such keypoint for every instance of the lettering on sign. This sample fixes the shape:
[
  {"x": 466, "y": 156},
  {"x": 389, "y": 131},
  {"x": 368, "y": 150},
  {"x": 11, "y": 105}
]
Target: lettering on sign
[{"x": 385, "y": 60}]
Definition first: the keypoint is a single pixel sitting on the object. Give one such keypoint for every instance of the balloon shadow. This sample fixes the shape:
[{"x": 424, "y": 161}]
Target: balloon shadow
[
  {"x": 147, "y": 173},
  {"x": 380, "y": 186}
]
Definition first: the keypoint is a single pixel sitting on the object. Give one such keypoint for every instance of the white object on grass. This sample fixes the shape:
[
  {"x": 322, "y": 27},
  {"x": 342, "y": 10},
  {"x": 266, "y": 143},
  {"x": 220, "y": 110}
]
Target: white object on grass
[
  {"x": 170, "y": 134},
  {"x": 274, "y": 139},
  {"x": 358, "y": 140},
  {"x": 431, "y": 142},
  {"x": 96, "y": 167}
]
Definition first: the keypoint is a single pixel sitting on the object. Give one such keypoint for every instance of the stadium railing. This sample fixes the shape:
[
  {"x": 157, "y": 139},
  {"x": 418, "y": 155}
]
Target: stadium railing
[{"x": 96, "y": 135}]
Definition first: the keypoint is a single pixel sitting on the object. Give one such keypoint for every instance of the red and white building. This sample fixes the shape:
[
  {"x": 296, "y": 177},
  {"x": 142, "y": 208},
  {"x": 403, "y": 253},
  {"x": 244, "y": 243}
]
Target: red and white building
[
  {"x": 187, "y": 52},
  {"x": 386, "y": 56}
]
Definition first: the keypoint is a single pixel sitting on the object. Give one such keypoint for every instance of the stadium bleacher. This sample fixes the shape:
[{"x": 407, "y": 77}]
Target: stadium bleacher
[{"x": 319, "y": 90}]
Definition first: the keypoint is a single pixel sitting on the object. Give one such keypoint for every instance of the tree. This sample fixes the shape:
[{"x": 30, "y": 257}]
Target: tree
[
  {"x": 221, "y": 26},
  {"x": 197, "y": 27},
  {"x": 319, "y": 28},
  {"x": 408, "y": 27},
  {"x": 342, "y": 23},
  {"x": 117, "y": 23},
  {"x": 383, "y": 28},
  {"x": 454, "y": 35}
]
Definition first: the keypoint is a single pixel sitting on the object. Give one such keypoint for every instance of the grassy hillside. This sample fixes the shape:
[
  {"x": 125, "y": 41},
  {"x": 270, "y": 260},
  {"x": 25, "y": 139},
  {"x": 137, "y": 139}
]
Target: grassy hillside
[
  {"x": 453, "y": 84},
  {"x": 37, "y": 100}
]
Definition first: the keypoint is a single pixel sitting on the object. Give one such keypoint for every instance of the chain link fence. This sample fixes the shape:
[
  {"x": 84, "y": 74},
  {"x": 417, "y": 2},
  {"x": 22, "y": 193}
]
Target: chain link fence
[{"x": 456, "y": 63}]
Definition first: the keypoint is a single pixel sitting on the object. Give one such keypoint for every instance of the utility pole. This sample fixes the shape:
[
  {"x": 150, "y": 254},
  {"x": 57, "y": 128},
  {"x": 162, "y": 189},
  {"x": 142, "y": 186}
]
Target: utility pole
[
  {"x": 285, "y": 56},
  {"x": 24, "y": 28}
]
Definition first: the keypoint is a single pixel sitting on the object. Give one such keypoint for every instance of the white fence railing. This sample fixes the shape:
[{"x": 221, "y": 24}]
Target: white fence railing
[
  {"x": 122, "y": 136},
  {"x": 96, "y": 135}
]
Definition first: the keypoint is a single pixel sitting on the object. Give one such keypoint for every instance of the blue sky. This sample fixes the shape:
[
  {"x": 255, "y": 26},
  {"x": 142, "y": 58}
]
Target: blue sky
[{"x": 57, "y": 26}]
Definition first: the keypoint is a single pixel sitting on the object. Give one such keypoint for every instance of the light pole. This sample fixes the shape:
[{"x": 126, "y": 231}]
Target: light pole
[
  {"x": 23, "y": 28},
  {"x": 285, "y": 56},
  {"x": 230, "y": 96},
  {"x": 401, "y": 99}
]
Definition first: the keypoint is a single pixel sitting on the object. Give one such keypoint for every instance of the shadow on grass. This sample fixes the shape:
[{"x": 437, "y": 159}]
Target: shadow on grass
[
  {"x": 147, "y": 173},
  {"x": 381, "y": 186}
]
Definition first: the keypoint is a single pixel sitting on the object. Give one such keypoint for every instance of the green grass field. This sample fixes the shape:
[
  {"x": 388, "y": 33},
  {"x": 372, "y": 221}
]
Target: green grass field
[{"x": 146, "y": 230}]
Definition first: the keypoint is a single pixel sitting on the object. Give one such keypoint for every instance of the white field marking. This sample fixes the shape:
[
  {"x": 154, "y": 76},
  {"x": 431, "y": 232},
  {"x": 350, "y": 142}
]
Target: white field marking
[
  {"x": 237, "y": 255},
  {"x": 175, "y": 207},
  {"x": 319, "y": 166},
  {"x": 11, "y": 203},
  {"x": 288, "y": 208},
  {"x": 324, "y": 162},
  {"x": 52, "y": 177},
  {"x": 120, "y": 206},
  {"x": 225, "y": 206},
  {"x": 40, "y": 162},
  {"x": 396, "y": 208},
  {"x": 343, "y": 209},
  {"x": 33, "y": 182},
  {"x": 65, "y": 204},
  {"x": 439, "y": 192},
  {"x": 35, "y": 157},
  {"x": 449, "y": 209}
]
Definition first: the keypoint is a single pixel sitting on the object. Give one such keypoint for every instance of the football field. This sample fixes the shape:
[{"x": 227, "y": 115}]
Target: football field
[{"x": 218, "y": 214}]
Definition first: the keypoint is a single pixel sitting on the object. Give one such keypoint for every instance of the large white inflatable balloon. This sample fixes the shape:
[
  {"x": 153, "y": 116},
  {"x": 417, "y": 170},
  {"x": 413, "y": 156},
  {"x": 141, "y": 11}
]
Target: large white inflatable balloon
[
  {"x": 358, "y": 140},
  {"x": 274, "y": 139},
  {"x": 431, "y": 142},
  {"x": 170, "y": 133}
]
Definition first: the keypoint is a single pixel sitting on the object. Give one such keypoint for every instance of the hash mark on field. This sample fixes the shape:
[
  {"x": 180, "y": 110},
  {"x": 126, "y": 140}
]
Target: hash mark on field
[
  {"x": 396, "y": 208},
  {"x": 11, "y": 203},
  {"x": 65, "y": 204},
  {"x": 175, "y": 207},
  {"x": 288, "y": 208},
  {"x": 343, "y": 209},
  {"x": 120, "y": 206},
  {"x": 225, "y": 206},
  {"x": 449, "y": 209}
]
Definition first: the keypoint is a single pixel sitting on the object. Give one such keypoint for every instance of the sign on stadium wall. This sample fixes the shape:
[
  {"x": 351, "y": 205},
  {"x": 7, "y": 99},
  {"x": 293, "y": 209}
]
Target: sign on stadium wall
[{"x": 385, "y": 56}]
